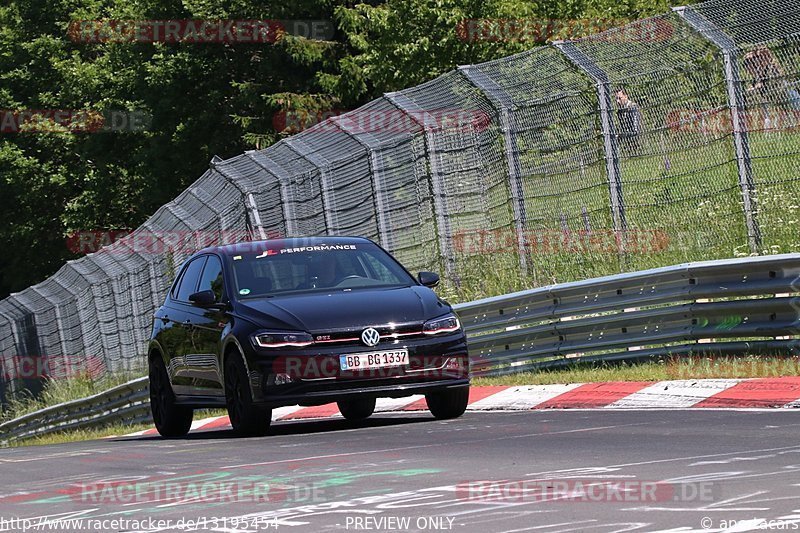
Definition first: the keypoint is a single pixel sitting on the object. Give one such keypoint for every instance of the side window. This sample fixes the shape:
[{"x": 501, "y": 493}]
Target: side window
[
  {"x": 189, "y": 280},
  {"x": 211, "y": 280},
  {"x": 176, "y": 285}
]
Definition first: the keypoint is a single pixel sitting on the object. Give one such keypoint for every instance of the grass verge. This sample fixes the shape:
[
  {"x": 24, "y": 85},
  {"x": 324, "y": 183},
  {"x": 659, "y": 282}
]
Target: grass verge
[
  {"x": 112, "y": 430},
  {"x": 56, "y": 391},
  {"x": 79, "y": 435},
  {"x": 661, "y": 370}
]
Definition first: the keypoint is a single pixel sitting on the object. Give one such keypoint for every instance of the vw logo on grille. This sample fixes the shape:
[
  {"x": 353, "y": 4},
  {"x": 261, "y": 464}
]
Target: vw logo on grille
[{"x": 370, "y": 336}]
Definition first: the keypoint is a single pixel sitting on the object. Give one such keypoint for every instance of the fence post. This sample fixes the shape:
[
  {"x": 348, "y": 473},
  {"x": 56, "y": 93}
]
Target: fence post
[
  {"x": 289, "y": 218},
  {"x": 299, "y": 147},
  {"x": 252, "y": 207},
  {"x": 503, "y": 104},
  {"x": 7, "y": 382},
  {"x": 378, "y": 183},
  {"x": 736, "y": 104},
  {"x": 603, "y": 84},
  {"x": 60, "y": 329},
  {"x": 428, "y": 124},
  {"x": 253, "y": 216}
]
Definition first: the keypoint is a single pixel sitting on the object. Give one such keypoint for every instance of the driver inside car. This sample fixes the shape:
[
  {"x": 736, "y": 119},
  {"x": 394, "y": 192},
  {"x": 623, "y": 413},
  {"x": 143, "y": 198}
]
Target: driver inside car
[{"x": 323, "y": 272}]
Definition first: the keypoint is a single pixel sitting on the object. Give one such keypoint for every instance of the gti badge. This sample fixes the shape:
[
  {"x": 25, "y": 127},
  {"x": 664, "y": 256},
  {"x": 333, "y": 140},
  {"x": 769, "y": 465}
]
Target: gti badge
[{"x": 370, "y": 337}]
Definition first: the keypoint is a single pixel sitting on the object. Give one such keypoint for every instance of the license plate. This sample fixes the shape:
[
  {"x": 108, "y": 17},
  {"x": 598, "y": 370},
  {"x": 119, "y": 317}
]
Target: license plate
[{"x": 368, "y": 360}]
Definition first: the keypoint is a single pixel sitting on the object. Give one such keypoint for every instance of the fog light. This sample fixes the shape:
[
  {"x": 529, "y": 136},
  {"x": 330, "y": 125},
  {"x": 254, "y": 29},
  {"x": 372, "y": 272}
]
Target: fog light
[{"x": 282, "y": 379}]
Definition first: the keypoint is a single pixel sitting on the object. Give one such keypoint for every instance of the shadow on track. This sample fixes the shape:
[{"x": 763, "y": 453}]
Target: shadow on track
[{"x": 295, "y": 427}]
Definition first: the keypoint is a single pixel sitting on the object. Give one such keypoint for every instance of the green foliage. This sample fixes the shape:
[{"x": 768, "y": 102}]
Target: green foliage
[
  {"x": 203, "y": 99},
  {"x": 58, "y": 391},
  {"x": 401, "y": 43}
]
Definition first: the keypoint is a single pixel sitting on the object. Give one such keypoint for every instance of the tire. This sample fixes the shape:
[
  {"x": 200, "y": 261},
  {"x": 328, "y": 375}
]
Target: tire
[
  {"x": 246, "y": 418},
  {"x": 449, "y": 403},
  {"x": 357, "y": 409},
  {"x": 171, "y": 420}
]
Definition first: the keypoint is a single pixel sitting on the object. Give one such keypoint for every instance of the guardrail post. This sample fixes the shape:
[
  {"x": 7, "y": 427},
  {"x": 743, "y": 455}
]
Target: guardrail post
[
  {"x": 287, "y": 205},
  {"x": 736, "y": 104},
  {"x": 603, "y": 84},
  {"x": 428, "y": 124},
  {"x": 379, "y": 200},
  {"x": 299, "y": 147},
  {"x": 504, "y": 104}
]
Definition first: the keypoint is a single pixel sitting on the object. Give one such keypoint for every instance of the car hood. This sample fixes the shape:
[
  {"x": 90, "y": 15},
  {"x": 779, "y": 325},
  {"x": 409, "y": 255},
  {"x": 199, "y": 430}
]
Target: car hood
[{"x": 321, "y": 312}]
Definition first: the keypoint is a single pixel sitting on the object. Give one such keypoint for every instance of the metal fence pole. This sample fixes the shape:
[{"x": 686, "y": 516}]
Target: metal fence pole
[
  {"x": 378, "y": 183},
  {"x": 428, "y": 124},
  {"x": 253, "y": 216},
  {"x": 504, "y": 104},
  {"x": 9, "y": 387},
  {"x": 603, "y": 84},
  {"x": 60, "y": 329},
  {"x": 287, "y": 204},
  {"x": 250, "y": 204},
  {"x": 736, "y": 104},
  {"x": 307, "y": 152}
]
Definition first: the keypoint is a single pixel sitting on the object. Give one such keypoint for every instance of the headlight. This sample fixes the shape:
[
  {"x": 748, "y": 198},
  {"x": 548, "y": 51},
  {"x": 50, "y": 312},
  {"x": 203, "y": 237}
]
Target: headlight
[
  {"x": 282, "y": 339},
  {"x": 444, "y": 324}
]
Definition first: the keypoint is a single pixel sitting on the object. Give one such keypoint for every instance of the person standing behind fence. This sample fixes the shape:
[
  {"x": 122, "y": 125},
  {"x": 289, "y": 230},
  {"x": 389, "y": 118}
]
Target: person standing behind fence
[
  {"x": 770, "y": 88},
  {"x": 630, "y": 121}
]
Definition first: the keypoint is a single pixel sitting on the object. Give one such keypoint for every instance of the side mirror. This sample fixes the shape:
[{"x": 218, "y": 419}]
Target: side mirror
[
  {"x": 429, "y": 279},
  {"x": 203, "y": 298}
]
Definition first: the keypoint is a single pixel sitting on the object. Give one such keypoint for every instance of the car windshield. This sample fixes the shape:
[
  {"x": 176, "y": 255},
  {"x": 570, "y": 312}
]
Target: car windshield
[{"x": 315, "y": 267}]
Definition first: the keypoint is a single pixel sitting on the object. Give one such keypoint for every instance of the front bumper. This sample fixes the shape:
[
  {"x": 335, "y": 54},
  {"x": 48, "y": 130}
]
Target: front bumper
[
  {"x": 321, "y": 395},
  {"x": 316, "y": 378}
]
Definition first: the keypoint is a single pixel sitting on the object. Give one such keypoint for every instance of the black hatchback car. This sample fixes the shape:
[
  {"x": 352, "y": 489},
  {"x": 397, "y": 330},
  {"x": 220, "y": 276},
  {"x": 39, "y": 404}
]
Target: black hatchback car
[{"x": 258, "y": 325}]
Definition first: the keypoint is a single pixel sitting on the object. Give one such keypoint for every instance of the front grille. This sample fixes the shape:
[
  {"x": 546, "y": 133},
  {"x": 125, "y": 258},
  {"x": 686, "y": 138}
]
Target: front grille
[{"x": 353, "y": 336}]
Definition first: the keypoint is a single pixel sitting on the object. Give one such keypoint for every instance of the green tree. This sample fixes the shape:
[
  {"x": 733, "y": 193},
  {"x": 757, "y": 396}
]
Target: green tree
[{"x": 202, "y": 100}]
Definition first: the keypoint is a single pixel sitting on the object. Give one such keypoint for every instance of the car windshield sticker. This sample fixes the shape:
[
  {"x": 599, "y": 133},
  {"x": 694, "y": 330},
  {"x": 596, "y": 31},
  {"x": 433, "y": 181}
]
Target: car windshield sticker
[
  {"x": 267, "y": 253},
  {"x": 244, "y": 292},
  {"x": 319, "y": 248}
]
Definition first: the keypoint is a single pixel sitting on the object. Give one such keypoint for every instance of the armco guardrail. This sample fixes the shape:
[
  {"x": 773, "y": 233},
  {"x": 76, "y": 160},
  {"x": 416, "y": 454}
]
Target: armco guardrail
[
  {"x": 730, "y": 307},
  {"x": 126, "y": 403},
  {"x": 733, "y": 307}
]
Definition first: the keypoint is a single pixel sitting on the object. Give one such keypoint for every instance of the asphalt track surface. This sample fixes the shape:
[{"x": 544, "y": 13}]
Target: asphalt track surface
[{"x": 540, "y": 471}]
